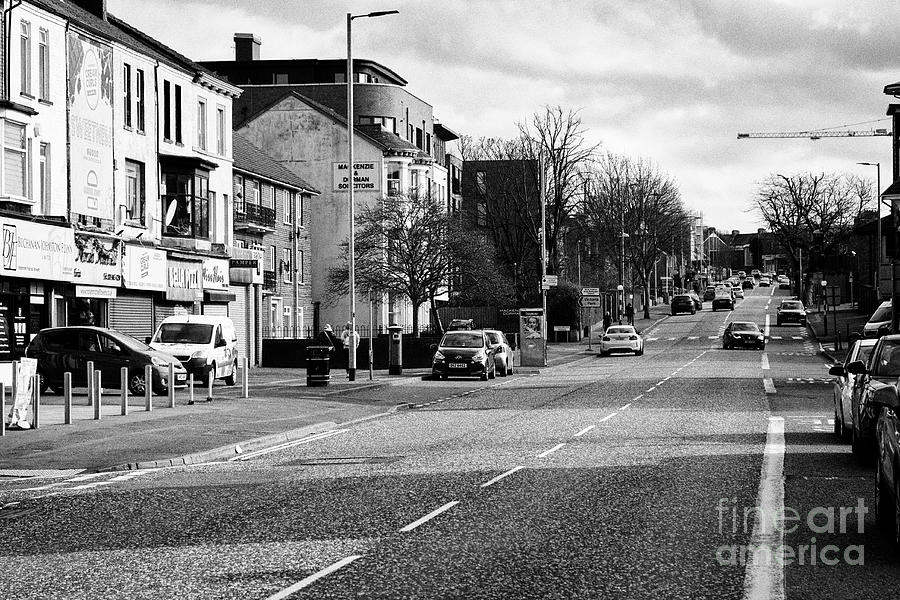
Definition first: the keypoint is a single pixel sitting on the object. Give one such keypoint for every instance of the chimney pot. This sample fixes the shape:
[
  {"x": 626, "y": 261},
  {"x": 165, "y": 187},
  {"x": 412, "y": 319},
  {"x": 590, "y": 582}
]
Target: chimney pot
[{"x": 246, "y": 47}]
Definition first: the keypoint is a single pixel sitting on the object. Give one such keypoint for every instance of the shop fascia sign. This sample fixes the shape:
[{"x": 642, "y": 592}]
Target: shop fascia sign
[
  {"x": 185, "y": 280},
  {"x": 145, "y": 268},
  {"x": 36, "y": 251},
  {"x": 245, "y": 266},
  {"x": 366, "y": 177},
  {"x": 216, "y": 274},
  {"x": 98, "y": 260}
]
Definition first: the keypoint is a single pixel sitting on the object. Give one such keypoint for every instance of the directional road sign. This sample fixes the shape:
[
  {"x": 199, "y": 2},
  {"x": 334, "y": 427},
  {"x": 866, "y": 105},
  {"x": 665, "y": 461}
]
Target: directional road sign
[
  {"x": 591, "y": 302},
  {"x": 590, "y": 291}
]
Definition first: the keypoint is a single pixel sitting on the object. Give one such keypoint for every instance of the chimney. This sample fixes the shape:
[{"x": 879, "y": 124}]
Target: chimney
[
  {"x": 246, "y": 47},
  {"x": 760, "y": 231},
  {"x": 735, "y": 232},
  {"x": 95, "y": 7}
]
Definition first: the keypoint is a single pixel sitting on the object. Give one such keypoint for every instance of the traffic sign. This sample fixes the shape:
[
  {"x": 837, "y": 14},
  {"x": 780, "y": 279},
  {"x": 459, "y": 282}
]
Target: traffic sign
[
  {"x": 590, "y": 291},
  {"x": 551, "y": 280},
  {"x": 591, "y": 302}
]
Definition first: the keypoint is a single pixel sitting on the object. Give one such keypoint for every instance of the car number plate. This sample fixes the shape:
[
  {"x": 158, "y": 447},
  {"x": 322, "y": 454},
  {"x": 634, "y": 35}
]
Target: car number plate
[
  {"x": 457, "y": 365},
  {"x": 180, "y": 377}
]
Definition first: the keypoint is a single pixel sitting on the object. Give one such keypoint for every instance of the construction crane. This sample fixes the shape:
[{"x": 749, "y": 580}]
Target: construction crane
[{"x": 815, "y": 135}]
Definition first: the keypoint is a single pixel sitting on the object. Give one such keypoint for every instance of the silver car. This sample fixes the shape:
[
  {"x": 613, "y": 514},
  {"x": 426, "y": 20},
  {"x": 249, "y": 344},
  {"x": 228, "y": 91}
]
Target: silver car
[
  {"x": 503, "y": 354},
  {"x": 847, "y": 389}
]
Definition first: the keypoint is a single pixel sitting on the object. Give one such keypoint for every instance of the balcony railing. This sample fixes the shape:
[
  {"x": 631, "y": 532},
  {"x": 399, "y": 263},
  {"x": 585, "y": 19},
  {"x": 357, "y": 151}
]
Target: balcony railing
[
  {"x": 270, "y": 280},
  {"x": 250, "y": 214},
  {"x": 185, "y": 216}
]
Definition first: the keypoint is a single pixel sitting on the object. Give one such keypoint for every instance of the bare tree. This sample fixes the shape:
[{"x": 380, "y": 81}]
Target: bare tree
[{"x": 811, "y": 212}]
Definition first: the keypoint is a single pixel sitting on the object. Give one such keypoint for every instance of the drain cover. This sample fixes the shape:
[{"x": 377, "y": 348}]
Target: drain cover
[{"x": 346, "y": 460}]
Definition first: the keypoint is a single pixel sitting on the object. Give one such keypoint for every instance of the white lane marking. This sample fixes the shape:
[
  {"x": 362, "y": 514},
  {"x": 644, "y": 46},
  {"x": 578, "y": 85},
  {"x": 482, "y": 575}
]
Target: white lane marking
[
  {"x": 766, "y": 331},
  {"x": 585, "y": 430},
  {"x": 502, "y": 475},
  {"x": 547, "y": 453},
  {"x": 286, "y": 445},
  {"x": 626, "y": 406},
  {"x": 607, "y": 417},
  {"x": 314, "y": 577},
  {"x": 638, "y": 397},
  {"x": 429, "y": 516},
  {"x": 769, "y": 385},
  {"x": 764, "y": 576},
  {"x": 796, "y": 337},
  {"x": 650, "y": 390},
  {"x": 777, "y": 337},
  {"x": 672, "y": 339},
  {"x": 765, "y": 361},
  {"x": 653, "y": 339},
  {"x": 693, "y": 337},
  {"x": 713, "y": 337}
]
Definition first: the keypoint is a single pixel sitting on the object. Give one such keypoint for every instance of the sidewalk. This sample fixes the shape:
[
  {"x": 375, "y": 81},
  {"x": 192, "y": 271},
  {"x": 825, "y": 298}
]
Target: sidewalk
[
  {"x": 834, "y": 340},
  {"x": 280, "y": 408}
]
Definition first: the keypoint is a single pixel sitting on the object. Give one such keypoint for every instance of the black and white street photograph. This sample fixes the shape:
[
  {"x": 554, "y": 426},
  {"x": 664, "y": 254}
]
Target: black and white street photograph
[{"x": 461, "y": 299}]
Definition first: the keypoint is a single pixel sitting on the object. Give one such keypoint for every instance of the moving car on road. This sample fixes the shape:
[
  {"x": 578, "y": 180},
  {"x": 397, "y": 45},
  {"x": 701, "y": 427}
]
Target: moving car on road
[
  {"x": 747, "y": 284},
  {"x": 791, "y": 311},
  {"x": 743, "y": 334},
  {"x": 764, "y": 282},
  {"x": 621, "y": 338},
  {"x": 880, "y": 322},
  {"x": 784, "y": 283},
  {"x": 683, "y": 303},
  {"x": 69, "y": 349},
  {"x": 464, "y": 353},
  {"x": 738, "y": 292},
  {"x": 847, "y": 388},
  {"x": 723, "y": 299},
  {"x": 709, "y": 293},
  {"x": 503, "y": 354}
]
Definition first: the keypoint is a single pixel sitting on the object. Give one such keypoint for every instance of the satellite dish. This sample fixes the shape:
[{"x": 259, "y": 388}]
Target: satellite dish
[{"x": 170, "y": 212}]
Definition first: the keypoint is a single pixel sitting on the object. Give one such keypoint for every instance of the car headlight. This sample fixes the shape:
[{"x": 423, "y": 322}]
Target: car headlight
[
  {"x": 438, "y": 356},
  {"x": 479, "y": 356},
  {"x": 199, "y": 354},
  {"x": 760, "y": 337},
  {"x": 158, "y": 361}
]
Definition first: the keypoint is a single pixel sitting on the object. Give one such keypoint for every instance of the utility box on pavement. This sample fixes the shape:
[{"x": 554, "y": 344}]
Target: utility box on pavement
[
  {"x": 395, "y": 357},
  {"x": 318, "y": 367}
]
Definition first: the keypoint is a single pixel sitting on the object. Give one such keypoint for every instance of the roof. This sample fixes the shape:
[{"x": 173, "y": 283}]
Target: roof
[
  {"x": 445, "y": 133},
  {"x": 251, "y": 159},
  {"x": 114, "y": 29},
  {"x": 390, "y": 140}
]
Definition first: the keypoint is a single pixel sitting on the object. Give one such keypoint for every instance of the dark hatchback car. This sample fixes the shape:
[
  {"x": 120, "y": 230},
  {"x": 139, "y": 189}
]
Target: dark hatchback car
[
  {"x": 464, "y": 354},
  {"x": 683, "y": 303},
  {"x": 791, "y": 311},
  {"x": 747, "y": 284},
  {"x": 743, "y": 334},
  {"x": 63, "y": 349}
]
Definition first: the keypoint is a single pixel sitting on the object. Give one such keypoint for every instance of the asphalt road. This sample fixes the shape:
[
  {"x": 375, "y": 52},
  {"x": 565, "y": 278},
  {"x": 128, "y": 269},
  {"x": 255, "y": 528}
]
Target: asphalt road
[{"x": 618, "y": 477}]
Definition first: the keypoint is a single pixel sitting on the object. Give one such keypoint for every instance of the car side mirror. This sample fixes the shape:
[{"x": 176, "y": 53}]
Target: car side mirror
[
  {"x": 857, "y": 367},
  {"x": 886, "y": 396},
  {"x": 837, "y": 371}
]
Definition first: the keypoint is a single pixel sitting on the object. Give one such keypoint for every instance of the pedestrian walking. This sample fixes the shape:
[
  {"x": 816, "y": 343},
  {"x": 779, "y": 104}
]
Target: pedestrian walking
[
  {"x": 350, "y": 340},
  {"x": 326, "y": 337},
  {"x": 629, "y": 313},
  {"x": 607, "y": 321}
]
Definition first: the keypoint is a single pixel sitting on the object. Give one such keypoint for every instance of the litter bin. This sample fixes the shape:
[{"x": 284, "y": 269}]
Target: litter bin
[{"x": 318, "y": 367}]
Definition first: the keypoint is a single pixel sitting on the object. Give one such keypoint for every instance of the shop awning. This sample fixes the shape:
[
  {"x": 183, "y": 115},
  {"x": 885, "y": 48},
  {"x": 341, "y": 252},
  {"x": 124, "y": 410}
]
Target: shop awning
[{"x": 213, "y": 296}]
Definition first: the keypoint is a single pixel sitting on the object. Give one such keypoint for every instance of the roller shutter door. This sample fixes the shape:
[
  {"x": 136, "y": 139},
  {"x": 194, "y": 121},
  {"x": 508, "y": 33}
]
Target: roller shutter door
[
  {"x": 215, "y": 310},
  {"x": 161, "y": 310},
  {"x": 237, "y": 310},
  {"x": 132, "y": 314}
]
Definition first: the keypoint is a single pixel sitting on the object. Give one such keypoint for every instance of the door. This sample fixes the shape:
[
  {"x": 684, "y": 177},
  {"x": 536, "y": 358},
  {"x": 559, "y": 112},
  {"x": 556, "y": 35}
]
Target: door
[
  {"x": 87, "y": 350},
  {"x": 111, "y": 360}
]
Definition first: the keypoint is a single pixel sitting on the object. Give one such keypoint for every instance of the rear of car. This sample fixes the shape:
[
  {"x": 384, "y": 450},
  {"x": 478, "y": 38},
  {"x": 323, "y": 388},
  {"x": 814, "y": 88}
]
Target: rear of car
[
  {"x": 709, "y": 293},
  {"x": 764, "y": 282},
  {"x": 723, "y": 299},
  {"x": 739, "y": 292},
  {"x": 683, "y": 303},
  {"x": 463, "y": 353},
  {"x": 621, "y": 338},
  {"x": 503, "y": 354},
  {"x": 880, "y": 321},
  {"x": 791, "y": 311},
  {"x": 747, "y": 284}
]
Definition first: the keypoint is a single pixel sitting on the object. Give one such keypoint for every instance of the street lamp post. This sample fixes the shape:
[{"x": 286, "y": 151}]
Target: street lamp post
[
  {"x": 876, "y": 277},
  {"x": 351, "y": 354}
]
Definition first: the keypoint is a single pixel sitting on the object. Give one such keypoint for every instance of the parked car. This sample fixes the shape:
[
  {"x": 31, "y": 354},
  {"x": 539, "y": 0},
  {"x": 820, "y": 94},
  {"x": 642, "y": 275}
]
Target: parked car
[
  {"x": 791, "y": 311},
  {"x": 205, "y": 345},
  {"x": 765, "y": 282},
  {"x": 621, "y": 338},
  {"x": 68, "y": 349},
  {"x": 847, "y": 388},
  {"x": 747, "y": 284},
  {"x": 756, "y": 274},
  {"x": 709, "y": 293},
  {"x": 743, "y": 334},
  {"x": 879, "y": 323},
  {"x": 683, "y": 303},
  {"x": 503, "y": 354},
  {"x": 882, "y": 369},
  {"x": 887, "y": 456},
  {"x": 464, "y": 353},
  {"x": 723, "y": 299},
  {"x": 461, "y": 324}
]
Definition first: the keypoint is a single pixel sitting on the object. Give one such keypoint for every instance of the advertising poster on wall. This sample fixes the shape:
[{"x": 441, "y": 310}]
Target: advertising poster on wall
[
  {"x": 145, "y": 268},
  {"x": 531, "y": 332},
  {"x": 98, "y": 261},
  {"x": 90, "y": 126},
  {"x": 366, "y": 177},
  {"x": 37, "y": 251}
]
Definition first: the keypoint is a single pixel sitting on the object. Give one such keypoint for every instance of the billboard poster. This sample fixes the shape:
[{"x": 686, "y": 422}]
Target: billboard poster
[
  {"x": 98, "y": 261},
  {"x": 145, "y": 268},
  {"x": 36, "y": 251},
  {"x": 90, "y": 126},
  {"x": 366, "y": 177},
  {"x": 531, "y": 333}
]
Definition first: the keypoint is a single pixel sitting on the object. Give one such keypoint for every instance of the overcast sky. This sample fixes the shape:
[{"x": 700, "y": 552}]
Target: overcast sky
[{"x": 672, "y": 81}]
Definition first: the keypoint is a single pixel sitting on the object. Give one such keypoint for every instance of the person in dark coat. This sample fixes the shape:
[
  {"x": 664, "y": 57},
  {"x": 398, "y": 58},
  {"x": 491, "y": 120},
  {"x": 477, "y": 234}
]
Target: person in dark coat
[
  {"x": 607, "y": 321},
  {"x": 629, "y": 313},
  {"x": 326, "y": 337}
]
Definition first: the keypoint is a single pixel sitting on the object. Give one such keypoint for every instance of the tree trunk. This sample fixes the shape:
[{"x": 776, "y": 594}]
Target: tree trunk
[{"x": 415, "y": 318}]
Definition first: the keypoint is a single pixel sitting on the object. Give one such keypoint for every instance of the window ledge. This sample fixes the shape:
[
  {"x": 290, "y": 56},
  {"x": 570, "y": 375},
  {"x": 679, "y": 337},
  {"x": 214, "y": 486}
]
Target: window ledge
[
  {"x": 24, "y": 95},
  {"x": 45, "y": 102}
]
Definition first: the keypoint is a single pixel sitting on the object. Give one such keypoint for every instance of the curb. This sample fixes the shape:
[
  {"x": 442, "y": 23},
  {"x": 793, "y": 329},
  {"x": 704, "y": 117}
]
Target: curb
[{"x": 251, "y": 445}]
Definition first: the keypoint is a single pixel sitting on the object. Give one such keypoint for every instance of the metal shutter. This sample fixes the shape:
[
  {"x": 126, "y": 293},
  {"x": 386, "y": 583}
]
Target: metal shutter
[
  {"x": 215, "y": 310},
  {"x": 131, "y": 314},
  {"x": 237, "y": 310}
]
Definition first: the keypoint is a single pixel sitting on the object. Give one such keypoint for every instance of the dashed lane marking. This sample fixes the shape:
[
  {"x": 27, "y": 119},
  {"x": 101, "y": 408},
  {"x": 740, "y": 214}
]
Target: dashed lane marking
[
  {"x": 547, "y": 453},
  {"x": 626, "y": 406},
  {"x": 429, "y": 516},
  {"x": 585, "y": 430},
  {"x": 764, "y": 359},
  {"x": 289, "y": 591},
  {"x": 503, "y": 475},
  {"x": 769, "y": 385},
  {"x": 608, "y": 417}
]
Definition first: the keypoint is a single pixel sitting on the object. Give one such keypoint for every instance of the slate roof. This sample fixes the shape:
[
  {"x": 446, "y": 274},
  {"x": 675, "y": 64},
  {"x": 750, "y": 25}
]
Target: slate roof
[{"x": 252, "y": 159}]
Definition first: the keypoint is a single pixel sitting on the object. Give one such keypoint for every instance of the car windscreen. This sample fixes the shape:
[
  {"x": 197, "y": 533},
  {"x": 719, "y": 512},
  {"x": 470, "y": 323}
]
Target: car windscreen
[
  {"x": 888, "y": 363},
  {"x": 620, "y": 330},
  {"x": 744, "y": 327},
  {"x": 462, "y": 340},
  {"x": 129, "y": 342},
  {"x": 882, "y": 314},
  {"x": 792, "y": 305},
  {"x": 184, "y": 333},
  {"x": 681, "y": 299}
]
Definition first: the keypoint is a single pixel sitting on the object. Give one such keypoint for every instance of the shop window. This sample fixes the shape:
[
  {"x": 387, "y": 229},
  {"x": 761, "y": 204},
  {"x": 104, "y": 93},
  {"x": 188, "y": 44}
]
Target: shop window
[{"x": 186, "y": 202}]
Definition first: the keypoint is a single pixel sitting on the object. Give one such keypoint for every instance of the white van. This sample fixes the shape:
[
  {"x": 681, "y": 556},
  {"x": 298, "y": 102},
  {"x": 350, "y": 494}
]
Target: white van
[
  {"x": 880, "y": 321},
  {"x": 204, "y": 345}
]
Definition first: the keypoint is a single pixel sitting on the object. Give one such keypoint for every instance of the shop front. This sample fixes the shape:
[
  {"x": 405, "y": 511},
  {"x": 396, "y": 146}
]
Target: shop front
[
  {"x": 246, "y": 278},
  {"x": 144, "y": 276},
  {"x": 184, "y": 287},
  {"x": 216, "y": 282},
  {"x": 36, "y": 261}
]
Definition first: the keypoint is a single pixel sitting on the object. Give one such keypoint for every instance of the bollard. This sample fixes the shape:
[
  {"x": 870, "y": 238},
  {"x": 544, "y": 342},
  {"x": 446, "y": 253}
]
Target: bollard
[
  {"x": 171, "y": 385},
  {"x": 191, "y": 388},
  {"x": 15, "y": 382},
  {"x": 36, "y": 401},
  {"x": 148, "y": 388},
  {"x": 98, "y": 390},
  {"x": 123, "y": 377},
  {"x": 245, "y": 379},
  {"x": 67, "y": 397},
  {"x": 2, "y": 409},
  {"x": 209, "y": 383},
  {"x": 90, "y": 381}
]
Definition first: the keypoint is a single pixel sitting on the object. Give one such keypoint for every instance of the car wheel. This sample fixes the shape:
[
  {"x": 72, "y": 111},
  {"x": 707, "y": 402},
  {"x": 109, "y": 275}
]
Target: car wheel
[
  {"x": 493, "y": 373},
  {"x": 231, "y": 379},
  {"x": 136, "y": 384},
  {"x": 714, "y": 308},
  {"x": 484, "y": 376},
  {"x": 693, "y": 311},
  {"x": 503, "y": 371},
  {"x": 884, "y": 510},
  {"x": 444, "y": 377},
  {"x": 639, "y": 352}
]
